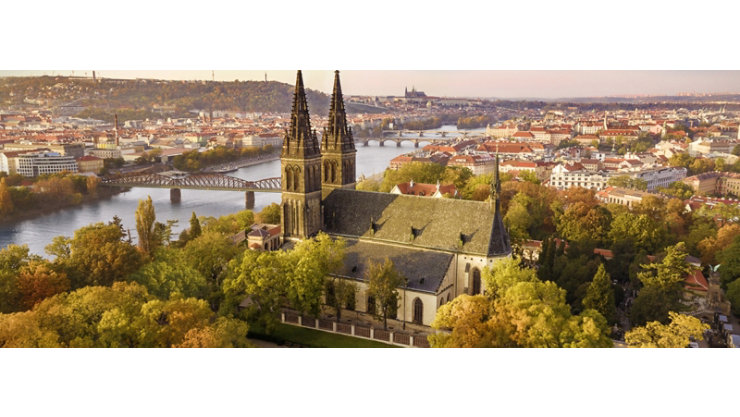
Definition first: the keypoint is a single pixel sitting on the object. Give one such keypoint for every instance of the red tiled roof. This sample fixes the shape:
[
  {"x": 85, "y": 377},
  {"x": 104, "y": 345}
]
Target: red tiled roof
[{"x": 695, "y": 281}]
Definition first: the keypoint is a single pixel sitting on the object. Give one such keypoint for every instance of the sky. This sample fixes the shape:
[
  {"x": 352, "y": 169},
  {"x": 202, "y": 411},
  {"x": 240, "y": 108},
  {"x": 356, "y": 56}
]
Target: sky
[{"x": 463, "y": 83}]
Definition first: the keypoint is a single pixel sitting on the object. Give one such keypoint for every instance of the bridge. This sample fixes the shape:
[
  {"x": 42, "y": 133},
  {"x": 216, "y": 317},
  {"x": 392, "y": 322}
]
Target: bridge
[
  {"x": 399, "y": 140},
  {"x": 177, "y": 180}
]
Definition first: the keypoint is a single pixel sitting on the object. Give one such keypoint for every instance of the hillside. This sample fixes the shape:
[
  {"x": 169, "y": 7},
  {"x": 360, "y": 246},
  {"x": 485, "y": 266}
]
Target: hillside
[{"x": 144, "y": 98}]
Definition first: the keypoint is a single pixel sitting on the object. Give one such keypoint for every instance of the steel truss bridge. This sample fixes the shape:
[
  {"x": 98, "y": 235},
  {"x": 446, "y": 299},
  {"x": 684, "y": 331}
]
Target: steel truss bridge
[{"x": 201, "y": 181}]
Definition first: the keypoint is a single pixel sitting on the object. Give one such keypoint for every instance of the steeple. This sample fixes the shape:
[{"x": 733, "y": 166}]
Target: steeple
[
  {"x": 499, "y": 242},
  {"x": 300, "y": 140},
  {"x": 338, "y": 135},
  {"x": 337, "y": 147}
]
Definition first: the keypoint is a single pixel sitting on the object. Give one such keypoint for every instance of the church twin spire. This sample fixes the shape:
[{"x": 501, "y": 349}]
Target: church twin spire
[
  {"x": 338, "y": 136},
  {"x": 300, "y": 140}
]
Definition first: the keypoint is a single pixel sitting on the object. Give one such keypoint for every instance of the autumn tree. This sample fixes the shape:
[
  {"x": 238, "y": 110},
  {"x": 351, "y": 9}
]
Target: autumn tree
[
  {"x": 340, "y": 294},
  {"x": 37, "y": 281},
  {"x": 677, "y": 334},
  {"x": 96, "y": 255},
  {"x": 581, "y": 222},
  {"x": 383, "y": 281},
  {"x": 600, "y": 295},
  {"x": 12, "y": 259},
  {"x": 729, "y": 259},
  {"x": 6, "y": 201},
  {"x": 169, "y": 275}
]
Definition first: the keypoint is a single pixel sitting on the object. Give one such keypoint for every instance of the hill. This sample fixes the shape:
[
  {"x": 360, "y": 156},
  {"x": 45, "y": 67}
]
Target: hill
[{"x": 144, "y": 98}]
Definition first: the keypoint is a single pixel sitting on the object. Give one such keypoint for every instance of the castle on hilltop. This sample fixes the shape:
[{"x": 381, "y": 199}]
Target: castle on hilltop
[{"x": 439, "y": 245}]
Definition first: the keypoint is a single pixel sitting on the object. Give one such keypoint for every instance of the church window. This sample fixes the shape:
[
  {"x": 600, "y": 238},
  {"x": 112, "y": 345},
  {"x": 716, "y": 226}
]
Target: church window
[
  {"x": 476, "y": 281},
  {"x": 371, "y": 305},
  {"x": 418, "y": 311},
  {"x": 288, "y": 178}
]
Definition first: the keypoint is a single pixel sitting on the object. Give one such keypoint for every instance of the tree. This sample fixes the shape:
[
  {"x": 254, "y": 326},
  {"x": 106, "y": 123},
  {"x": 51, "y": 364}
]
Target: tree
[
  {"x": 383, "y": 282},
  {"x": 194, "y": 227},
  {"x": 729, "y": 259},
  {"x": 518, "y": 310},
  {"x": 145, "y": 220},
  {"x": 98, "y": 255},
  {"x": 733, "y": 294},
  {"x": 209, "y": 254},
  {"x": 37, "y": 281},
  {"x": 579, "y": 222},
  {"x": 711, "y": 246},
  {"x": 339, "y": 294},
  {"x": 600, "y": 295},
  {"x": 641, "y": 229},
  {"x": 225, "y": 333},
  {"x": 169, "y": 275},
  {"x": 12, "y": 259},
  {"x": 259, "y": 279},
  {"x": 270, "y": 214},
  {"x": 626, "y": 181},
  {"x": 312, "y": 260},
  {"x": 6, "y": 201},
  {"x": 662, "y": 287},
  {"x": 677, "y": 334}
]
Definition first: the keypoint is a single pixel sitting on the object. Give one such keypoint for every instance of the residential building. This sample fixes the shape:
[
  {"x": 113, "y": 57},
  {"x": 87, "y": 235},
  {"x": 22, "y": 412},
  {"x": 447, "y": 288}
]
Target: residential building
[
  {"x": 563, "y": 177},
  {"x": 478, "y": 164},
  {"x": 90, "y": 163},
  {"x": 624, "y": 196},
  {"x": 660, "y": 177}
]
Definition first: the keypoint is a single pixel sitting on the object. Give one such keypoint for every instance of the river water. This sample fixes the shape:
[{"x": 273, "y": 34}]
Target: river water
[{"x": 38, "y": 232}]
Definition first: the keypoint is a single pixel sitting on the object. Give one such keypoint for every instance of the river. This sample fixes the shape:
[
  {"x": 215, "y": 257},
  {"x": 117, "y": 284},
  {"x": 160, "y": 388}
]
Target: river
[{"x": 38, "y": 232}]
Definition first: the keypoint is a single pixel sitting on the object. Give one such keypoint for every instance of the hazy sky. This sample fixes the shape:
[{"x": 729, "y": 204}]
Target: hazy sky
[{"x": 468, "y": 83}]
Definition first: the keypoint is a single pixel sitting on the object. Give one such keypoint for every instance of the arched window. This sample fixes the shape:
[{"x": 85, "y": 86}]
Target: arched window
[
  {"x": 476, "y": 281},
  {"x": 333, "y": 172},
  {"x": 326, "y": 171},
  {"x": 288, "y": 178},
  {"x": 418, "y": 311},
  {"x": 448, "y": 298},
  {"x": 296, "y": 178},
  {"x": 371, "y": 305}
]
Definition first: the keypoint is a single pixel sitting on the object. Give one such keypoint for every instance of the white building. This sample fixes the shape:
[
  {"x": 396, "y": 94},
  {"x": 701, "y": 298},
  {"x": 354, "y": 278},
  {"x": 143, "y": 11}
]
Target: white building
[
  {"x": 562, "y": 178},
  {"x": 33, "y": 165},
  {"x": 661, "y": 177}
]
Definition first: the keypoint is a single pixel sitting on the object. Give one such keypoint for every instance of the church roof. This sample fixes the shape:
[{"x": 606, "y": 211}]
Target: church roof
[
  {"x": 424, "y": 269},
  {"x": 431, "y": 223}
]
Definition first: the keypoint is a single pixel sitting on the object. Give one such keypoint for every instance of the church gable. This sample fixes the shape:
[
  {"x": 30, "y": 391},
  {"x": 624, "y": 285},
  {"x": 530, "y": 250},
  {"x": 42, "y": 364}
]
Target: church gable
[{"x": 440, "y": 223}]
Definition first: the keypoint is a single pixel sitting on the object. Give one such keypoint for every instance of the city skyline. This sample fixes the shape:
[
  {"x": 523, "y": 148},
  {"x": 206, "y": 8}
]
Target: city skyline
[{"x": 544, "y": 84}]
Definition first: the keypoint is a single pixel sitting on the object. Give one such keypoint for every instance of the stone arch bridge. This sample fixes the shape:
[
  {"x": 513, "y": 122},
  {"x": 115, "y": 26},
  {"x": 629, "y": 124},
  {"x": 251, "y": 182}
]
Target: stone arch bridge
[{"x": 178, "y": 180}]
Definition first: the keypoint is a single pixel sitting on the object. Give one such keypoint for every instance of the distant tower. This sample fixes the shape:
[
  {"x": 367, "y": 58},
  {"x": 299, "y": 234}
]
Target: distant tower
[
  {"x": 213, "y": 75},
  {"x": 300, "y": 164},
  {"x": 405, "y": 91},
  {"x": 605, "y": 125},
  {"x": 94, "y": 80},
  {"x": 265, "y": 77},
  {"x": 338, "y": 151},
  {"x": 116, "y": 127}
]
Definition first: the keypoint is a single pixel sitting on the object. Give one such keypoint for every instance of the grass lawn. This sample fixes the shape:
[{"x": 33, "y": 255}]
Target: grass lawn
[{"x": 285, "y": 333}]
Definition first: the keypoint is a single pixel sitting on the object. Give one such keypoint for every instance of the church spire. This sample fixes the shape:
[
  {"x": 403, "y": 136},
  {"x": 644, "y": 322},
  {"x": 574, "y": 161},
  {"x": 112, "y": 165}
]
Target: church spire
[
  {"x": 300, "y": 140},
  {"x": 499, "y": 241},
  {"x": 337, "y": 136}
]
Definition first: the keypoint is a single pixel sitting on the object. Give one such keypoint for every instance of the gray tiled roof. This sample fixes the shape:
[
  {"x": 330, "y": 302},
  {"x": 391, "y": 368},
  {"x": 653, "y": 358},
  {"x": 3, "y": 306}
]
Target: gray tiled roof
[
  {"x": 424, "y": 269},
  {"x": 422, "y": 222}
]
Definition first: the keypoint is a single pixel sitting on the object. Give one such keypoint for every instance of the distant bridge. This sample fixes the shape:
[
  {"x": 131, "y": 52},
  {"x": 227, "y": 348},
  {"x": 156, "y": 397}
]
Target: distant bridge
[
  {"x": 399, "y": 140},
  {"x": 177, "y": 180}
]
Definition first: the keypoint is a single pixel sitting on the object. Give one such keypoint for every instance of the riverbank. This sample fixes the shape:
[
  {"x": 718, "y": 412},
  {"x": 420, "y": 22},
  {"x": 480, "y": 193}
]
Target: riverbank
[
  {"x": 241, "y": 164},
  {"x": 102, "y": 194}
]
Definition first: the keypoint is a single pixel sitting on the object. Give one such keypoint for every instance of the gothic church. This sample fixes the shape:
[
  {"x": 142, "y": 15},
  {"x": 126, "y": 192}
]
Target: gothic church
[{"x": 439, "y": 245}]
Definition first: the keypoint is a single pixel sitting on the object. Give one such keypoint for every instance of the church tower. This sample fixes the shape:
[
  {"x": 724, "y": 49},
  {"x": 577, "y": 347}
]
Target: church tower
[
  {"x": 300, "y": 164},
  {"x": 337, "y": 147}
]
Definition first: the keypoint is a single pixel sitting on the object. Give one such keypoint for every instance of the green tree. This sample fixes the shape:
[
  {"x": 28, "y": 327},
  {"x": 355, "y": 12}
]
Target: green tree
[
  {"x": 194, "y": 227},
  {"x": 169, "y": 275},
  {"x": 662, "y": 287},
  {"x": 579, "y": 222},
  {"x": 340, "y": 293},
  {"x": 643, "y": 231},
  {"x": 270, "y": 214},
  {"x": 677, "y": 334},
  {"x": 145, "y": 220},
  {"x": 600, "y": 295},
  {"x": 729, "y": 259},
  {"x": 383, "y": 282},
  {"x": 312, "y": 260}
]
